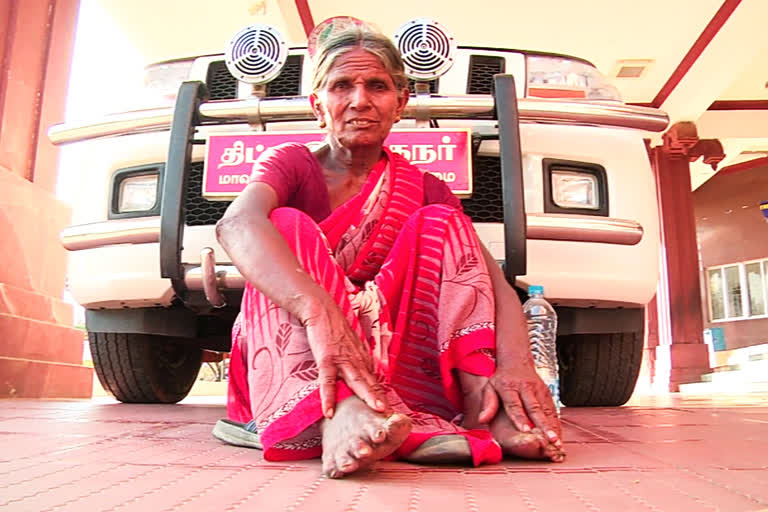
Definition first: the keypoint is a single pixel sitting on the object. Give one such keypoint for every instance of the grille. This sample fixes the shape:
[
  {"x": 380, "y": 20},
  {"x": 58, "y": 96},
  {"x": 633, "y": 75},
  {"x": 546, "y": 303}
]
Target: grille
[
  {"x": 288, "y": 82},
  {"x": 200, "y": 211},
  {"x": 223, "y": 86},
  {"x": 432, "y": 86},
  {"x": 481, "y": 71},
  {"x": 485, "y": 205}
]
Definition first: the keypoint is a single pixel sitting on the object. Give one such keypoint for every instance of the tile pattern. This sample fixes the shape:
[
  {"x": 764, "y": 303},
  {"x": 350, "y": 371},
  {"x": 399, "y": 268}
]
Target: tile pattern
[{"x": 657, "y": 454}]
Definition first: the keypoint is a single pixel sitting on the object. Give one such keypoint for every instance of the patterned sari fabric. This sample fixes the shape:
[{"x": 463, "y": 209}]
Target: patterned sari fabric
[{"x": 412, "y": 283}]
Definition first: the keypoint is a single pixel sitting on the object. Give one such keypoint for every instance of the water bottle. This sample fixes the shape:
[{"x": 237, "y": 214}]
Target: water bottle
[{"x": 542, "y": 334}]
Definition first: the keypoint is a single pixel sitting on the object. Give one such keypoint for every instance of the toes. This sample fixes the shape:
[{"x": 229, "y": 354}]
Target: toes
[
  {"x": 346, "y": 463},
  {"x": 361, "y": 450},
  {"x": 329, "y": 467},
  {"x": 398, "y": 425},
  {"x": 554, "y": 453},
  {"x": 376, "y": 431}
]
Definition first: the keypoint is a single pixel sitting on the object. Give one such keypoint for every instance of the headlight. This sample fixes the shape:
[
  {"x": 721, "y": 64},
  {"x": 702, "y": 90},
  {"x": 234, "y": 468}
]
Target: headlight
[
  {"x": 571, "y": 189},
  {"x": 137, "y": 193},
  {"x": 567, "y": 78},
  {"x": 162, "y": 82}
]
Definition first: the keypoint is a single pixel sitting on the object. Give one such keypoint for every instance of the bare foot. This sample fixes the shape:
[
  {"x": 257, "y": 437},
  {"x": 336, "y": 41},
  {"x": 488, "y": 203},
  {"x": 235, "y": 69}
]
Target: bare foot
[
  {"x": 356, "y": 437},
  {"x": 527, "y": 445}
]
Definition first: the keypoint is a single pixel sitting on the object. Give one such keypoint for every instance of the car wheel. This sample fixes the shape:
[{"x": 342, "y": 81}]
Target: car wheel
[
  {"x": 599, "y": 369},
  {"x": 142, "y": 368}
]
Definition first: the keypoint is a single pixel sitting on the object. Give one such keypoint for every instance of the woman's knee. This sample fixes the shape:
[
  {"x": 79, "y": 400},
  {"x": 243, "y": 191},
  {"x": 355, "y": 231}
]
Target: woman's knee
[
  {"x": 442, "y": 213},
  {"x": 289, "y": 217},
  {"x": 300, "y": 232},
  {"x": 291, "y": 222},
  {"x": 436, "y": 210}
]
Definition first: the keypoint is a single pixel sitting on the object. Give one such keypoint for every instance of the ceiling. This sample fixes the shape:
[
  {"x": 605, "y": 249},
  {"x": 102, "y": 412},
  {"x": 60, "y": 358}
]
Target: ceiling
[{"x": 707, "y": 60}]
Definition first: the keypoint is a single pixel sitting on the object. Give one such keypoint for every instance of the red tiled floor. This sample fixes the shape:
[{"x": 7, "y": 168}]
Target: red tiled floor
[{"x": 665, "y": 453}]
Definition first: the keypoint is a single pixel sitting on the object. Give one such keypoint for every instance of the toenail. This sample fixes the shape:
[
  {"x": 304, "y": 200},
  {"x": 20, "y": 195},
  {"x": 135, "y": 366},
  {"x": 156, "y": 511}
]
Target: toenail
[{"x": 364, "y": 451}]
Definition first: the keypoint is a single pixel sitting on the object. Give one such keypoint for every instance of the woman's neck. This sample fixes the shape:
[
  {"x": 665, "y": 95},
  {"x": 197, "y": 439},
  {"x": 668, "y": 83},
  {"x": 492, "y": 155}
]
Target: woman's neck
[{"x": 357, "y": 161}]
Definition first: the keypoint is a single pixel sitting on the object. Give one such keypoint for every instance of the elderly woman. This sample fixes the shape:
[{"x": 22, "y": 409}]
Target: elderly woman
[{"x": 375, "y": 324}]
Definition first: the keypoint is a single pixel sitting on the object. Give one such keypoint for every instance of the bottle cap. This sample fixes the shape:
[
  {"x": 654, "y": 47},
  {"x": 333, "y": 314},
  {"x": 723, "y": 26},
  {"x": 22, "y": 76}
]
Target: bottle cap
[{"x": 535, "y": 288}]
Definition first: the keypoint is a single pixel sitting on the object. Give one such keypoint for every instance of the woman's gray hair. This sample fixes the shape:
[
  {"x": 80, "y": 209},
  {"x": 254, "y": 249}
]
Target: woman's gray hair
[{"x": 352, "y": 38}]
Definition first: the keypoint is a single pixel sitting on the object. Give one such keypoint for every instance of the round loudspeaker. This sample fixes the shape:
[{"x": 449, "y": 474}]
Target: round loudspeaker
[
  {"x": 427, "y": 47},
  {"x": 256, "y": 54}
]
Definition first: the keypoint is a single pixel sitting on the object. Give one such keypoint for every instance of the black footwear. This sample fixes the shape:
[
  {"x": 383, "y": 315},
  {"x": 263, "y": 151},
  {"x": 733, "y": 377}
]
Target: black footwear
[{"x": 238, "y": 434}]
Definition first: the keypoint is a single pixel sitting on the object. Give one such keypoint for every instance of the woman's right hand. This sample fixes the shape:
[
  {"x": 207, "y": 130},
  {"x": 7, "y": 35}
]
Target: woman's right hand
[{"x": 340, "y": 353}]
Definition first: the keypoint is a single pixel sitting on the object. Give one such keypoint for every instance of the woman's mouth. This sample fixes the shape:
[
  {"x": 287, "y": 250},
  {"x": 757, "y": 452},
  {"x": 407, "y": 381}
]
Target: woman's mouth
[{"x": 361, "y": 123}]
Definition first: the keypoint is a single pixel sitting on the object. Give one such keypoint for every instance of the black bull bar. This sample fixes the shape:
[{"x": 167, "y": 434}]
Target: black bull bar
[{"x": 187, "y": 118}]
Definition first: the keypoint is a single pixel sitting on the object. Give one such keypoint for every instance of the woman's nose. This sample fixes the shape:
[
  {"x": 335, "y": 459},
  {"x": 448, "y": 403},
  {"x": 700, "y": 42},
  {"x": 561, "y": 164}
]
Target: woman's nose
[{"x": 360, "y": 97}]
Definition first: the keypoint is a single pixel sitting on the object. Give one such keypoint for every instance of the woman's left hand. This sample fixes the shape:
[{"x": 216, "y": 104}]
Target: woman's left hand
[{"x": 525, "y": 398}]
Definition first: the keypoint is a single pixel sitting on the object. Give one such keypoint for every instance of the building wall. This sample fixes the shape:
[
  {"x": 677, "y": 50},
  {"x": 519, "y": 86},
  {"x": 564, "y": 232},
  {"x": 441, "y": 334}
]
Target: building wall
[
  {"x": 41, "y": 354},
  {"x": 731, "y": 229}
]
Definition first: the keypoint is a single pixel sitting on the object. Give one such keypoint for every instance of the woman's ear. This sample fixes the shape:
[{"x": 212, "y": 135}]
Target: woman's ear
[
  {"x": 402, "y": 101},
  {"x": 317, "y": 108}
]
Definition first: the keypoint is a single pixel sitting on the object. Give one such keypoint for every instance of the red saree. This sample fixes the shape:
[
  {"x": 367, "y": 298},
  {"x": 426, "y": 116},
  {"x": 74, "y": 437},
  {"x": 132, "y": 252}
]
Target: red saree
[{"x": 412, "y": 283}]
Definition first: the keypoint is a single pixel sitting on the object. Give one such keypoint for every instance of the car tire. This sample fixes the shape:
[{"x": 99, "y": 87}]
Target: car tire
[
  {"x": 599, "y": 369},
  {"x": 142, "y": 368}
]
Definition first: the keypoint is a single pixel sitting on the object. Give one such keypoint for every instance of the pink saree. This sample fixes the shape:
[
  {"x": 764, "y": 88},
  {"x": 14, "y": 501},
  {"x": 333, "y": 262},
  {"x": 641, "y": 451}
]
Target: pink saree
[{"x": 412, "y": 283}]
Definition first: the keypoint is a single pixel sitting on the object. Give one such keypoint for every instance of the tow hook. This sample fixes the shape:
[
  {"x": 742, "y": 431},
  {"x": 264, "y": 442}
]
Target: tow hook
[{"x": 210, "y": 285}]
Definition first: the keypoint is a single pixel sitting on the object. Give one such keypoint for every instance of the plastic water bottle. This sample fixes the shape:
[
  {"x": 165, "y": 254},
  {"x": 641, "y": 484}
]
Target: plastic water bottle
[{"x": 542, "y": 334}]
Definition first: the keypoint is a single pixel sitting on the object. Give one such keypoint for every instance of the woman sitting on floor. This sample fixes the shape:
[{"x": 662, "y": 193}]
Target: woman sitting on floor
[{"x": 374, "y": 323}]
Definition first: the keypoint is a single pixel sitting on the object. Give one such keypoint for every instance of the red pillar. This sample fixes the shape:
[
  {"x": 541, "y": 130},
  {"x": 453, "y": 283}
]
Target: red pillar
[
  {"x": 679, "y": 303},
  {"x": 40, "y": 352}
]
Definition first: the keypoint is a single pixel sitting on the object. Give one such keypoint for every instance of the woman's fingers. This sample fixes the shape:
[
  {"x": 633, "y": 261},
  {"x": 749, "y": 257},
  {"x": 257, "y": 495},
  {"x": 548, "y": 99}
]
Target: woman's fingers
[
  {"x": 490, "y": 405},
  {"x": 326, "y": 375},
  {"x": 527, "y": 402},
  {"x": 364, "y": 384},
  {"x": 541, "y": 410},
  {"x": 341, "y": 354},
  {"x": 513, "y": 406}
]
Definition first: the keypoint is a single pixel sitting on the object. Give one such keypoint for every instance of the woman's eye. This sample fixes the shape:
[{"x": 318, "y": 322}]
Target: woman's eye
[
  {"x": 340, "y": 85},
  {"x": 379, "y": 86}
]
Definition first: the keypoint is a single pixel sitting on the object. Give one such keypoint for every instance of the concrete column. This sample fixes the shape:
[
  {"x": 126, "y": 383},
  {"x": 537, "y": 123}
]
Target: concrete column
[
  {"x": 40, "y": 352},
  {"x": 679, "y": 299}
]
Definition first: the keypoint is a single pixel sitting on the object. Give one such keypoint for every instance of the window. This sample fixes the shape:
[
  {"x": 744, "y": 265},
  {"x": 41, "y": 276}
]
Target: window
[
  {"x": 717, "y": 305},
  {"x": 733, "y": 291},
  {"x": 755, "y": 289},
  {"x": 738, "y": 291}
]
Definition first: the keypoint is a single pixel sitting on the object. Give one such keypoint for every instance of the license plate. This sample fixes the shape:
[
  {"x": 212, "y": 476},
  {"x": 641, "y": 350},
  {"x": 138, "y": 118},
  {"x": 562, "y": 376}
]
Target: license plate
[{"x": 229, "y": 157}]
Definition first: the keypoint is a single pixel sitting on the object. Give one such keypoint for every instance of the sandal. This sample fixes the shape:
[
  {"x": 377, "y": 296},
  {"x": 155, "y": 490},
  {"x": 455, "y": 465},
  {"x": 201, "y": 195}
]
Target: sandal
[
  {"x": 238, "y": 434},
  {"x": 444, "y": 449}
]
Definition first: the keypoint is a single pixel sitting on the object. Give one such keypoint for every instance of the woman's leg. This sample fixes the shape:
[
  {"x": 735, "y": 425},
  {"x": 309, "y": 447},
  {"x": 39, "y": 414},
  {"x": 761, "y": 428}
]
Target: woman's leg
[
  {"x": 439, "y": 293},
  {"x": 438, "y": 288},
  {"x": 281, "y": 375}
]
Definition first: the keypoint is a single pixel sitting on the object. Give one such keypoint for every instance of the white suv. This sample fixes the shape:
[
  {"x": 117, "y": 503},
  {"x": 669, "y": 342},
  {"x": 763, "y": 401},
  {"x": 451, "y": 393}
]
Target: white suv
[{"x": 158, "y": 289}]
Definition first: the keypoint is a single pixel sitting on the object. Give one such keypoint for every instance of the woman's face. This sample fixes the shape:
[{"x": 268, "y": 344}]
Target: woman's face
[{"x": 359, "y": 102}]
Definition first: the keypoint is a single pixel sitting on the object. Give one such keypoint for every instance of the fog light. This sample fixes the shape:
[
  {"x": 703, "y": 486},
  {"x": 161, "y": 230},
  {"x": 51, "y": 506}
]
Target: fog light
[
  {"x": 572, "y": 189},
  {"x": 137, "y": 193}
]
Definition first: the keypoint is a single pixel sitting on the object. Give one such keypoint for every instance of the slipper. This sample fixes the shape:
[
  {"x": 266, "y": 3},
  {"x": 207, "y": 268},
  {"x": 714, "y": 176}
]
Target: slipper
[
  {"x": 238, "y": 434},
  {"x": 444, "y": 449}
]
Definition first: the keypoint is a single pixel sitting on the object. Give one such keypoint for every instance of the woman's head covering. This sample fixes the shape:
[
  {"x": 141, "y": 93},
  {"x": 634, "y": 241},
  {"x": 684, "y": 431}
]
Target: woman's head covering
[{"x": 336, "y": 36}]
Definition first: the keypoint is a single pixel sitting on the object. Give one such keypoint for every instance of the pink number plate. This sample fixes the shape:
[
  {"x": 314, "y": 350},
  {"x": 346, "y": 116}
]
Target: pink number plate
[{"x": 229, "y": 157}]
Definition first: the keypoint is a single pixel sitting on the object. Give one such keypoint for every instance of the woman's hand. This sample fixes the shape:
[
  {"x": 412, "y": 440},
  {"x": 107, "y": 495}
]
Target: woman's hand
[
  {"x": 340, "y": 353},
  {"x": 525, "y": 399}
]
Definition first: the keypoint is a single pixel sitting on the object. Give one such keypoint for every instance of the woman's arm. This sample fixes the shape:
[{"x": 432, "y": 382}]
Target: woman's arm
[
  {"x": 266, "y": 261},
  {"x": 524, "y": 395}
]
